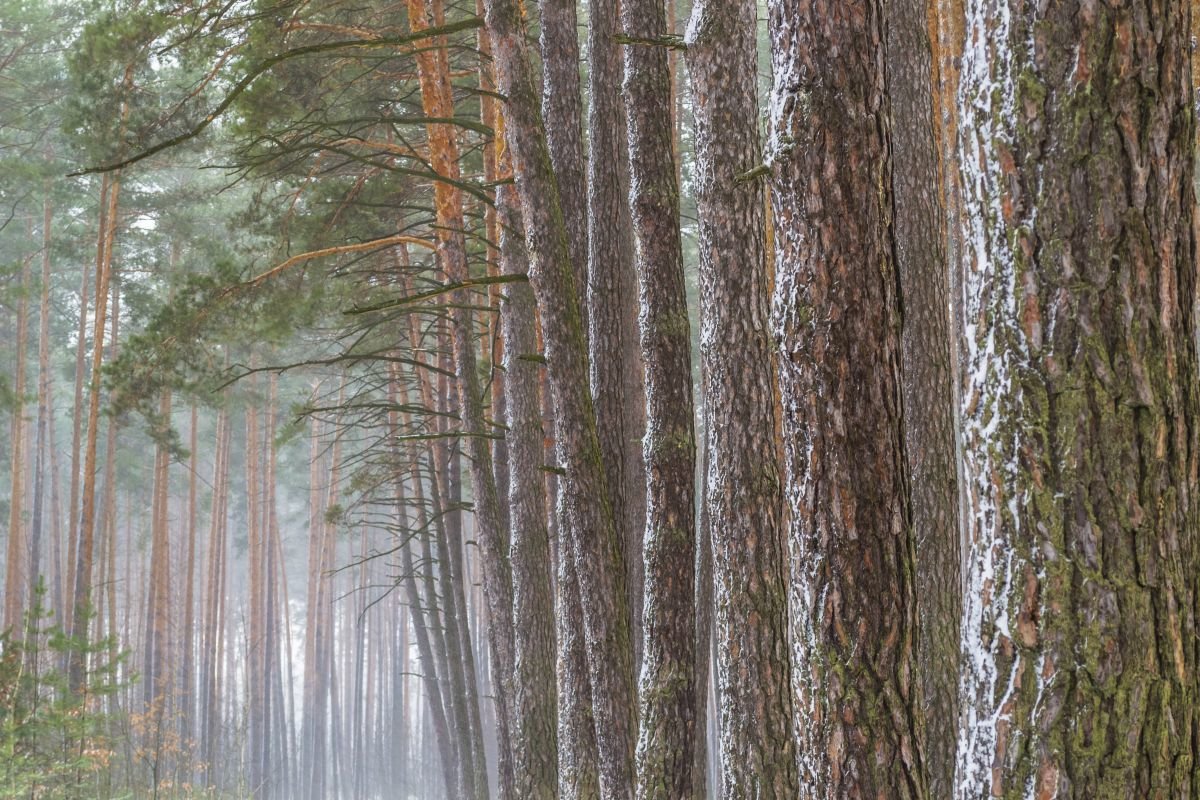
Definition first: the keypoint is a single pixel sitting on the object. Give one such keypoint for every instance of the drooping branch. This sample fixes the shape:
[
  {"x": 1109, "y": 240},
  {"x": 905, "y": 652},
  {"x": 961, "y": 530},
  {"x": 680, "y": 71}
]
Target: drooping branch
[{"x": 267, "y": 64}]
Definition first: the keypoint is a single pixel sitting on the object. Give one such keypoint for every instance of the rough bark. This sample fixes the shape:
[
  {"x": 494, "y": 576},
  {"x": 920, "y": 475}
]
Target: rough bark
[
  {"x": 837, "y": 316},
  {"x": 563, "y": 112},
  {"x": 667, "y": 687},
  {"x": 743, "y": 495},
  {"x": 1081, "y": 411},
  {"x": 927, "y": 385},
  {"x": 534, "y": 696},
  {"x": 617, "y": 380},
  {"x": 593, "y": 537},
  {"x": 704, "y": 637}
]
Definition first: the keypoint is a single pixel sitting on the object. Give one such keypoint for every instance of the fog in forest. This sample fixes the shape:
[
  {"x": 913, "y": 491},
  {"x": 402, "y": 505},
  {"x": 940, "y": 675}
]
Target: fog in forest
[{"x": 655, "y": 399}]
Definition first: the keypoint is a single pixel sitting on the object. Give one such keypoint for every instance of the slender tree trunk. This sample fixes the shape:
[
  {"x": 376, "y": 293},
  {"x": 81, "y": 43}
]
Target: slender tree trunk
[
  {"x": 534, "y": 700},
  {"x": 42, "y": 444},
  {"x": 667, "y": 689},
  {"x": 210, "y": 661},
  {"x": 744, "y": 499},
  {"x": 563, "y": 112},
  {"x": 927, "y": 387},
  {"x": 420, "y": 627},
  {"x": 256, "y": 643},
  {"x": 437, "y": 100},
  {"x": 155, "y": 675},
  {"x": 617, "y": 381},
  {"x": 77, "y": 409},
  {"x": 187, "y": 645},
  {"x": 82, "y": 595},
  {"x": 594, "y": 539},
  {"x": 16, "y": 561},
  {"x": 704, "y": 635},
  {"x": 1081, "y": 401}
]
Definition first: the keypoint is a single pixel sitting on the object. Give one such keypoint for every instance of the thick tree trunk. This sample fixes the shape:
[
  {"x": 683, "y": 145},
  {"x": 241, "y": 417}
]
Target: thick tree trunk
[
  {"x": 667, "y": 687},
  {"x": 743, "y": 497},
  {"x": 593, "y": 536},
  {"x": 837, "y": 315},
  {"x": 1081, "y": 401}
]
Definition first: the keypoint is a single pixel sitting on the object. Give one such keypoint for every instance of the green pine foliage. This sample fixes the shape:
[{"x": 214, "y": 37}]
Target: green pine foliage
[{"x": 54, "y": 743}]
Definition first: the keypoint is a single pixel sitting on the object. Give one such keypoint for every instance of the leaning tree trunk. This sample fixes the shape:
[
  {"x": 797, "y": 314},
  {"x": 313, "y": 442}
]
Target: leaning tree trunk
[
  {"x": 1081, "y": 401},
  {"x": 837, "y": 315},
  {"x": 667, "y": 686},
  {"x": 591, "y": 533},
  {"x": 743, "y": 496},
  {"x": 438, "y": 102}
]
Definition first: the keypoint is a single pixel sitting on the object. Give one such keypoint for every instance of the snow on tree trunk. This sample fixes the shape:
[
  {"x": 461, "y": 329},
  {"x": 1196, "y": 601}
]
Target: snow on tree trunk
[
  {"x": 1080, "y": 402},
  {"x": 837, "y": 323},
  {"x": 758, "y": 753}
]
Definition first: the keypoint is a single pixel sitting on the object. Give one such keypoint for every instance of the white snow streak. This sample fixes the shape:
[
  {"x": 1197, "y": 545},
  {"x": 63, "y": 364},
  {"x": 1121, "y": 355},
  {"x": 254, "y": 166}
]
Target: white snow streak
[{"x": 993, "y": 351}]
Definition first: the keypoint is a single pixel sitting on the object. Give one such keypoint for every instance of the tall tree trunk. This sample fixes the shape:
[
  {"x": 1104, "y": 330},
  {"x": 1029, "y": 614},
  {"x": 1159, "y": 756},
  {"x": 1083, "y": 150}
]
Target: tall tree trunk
[
  {"x": 616, "y": 370},
  {"x": 593, "y": 536},
  {"x": 77, "y": 409},
  {"x": 563, "y": 112},
  {"x": 42, "y": 444},
  {"x": 667, "y": 687},
  {"x": 837, "y": 315},
  {"x": 210, "y": 661},
  {"x": 187, "y": 644},
  {"x": 1081, "y": 401},
  {"x": 82, "y": 594},
  {"x": 16, "y": 564},
  {"x": 744, "y": 499},
  {"x": 534, "y": 696},
  {"x": 437, "y": 101},
  {"x": 418, "y": 613},
  {"x": 155, "y": 673},
  {"x": 927, "y": 385},
  {"x": 704, "y": 635},
  {"x": 256, "y": 599}
]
